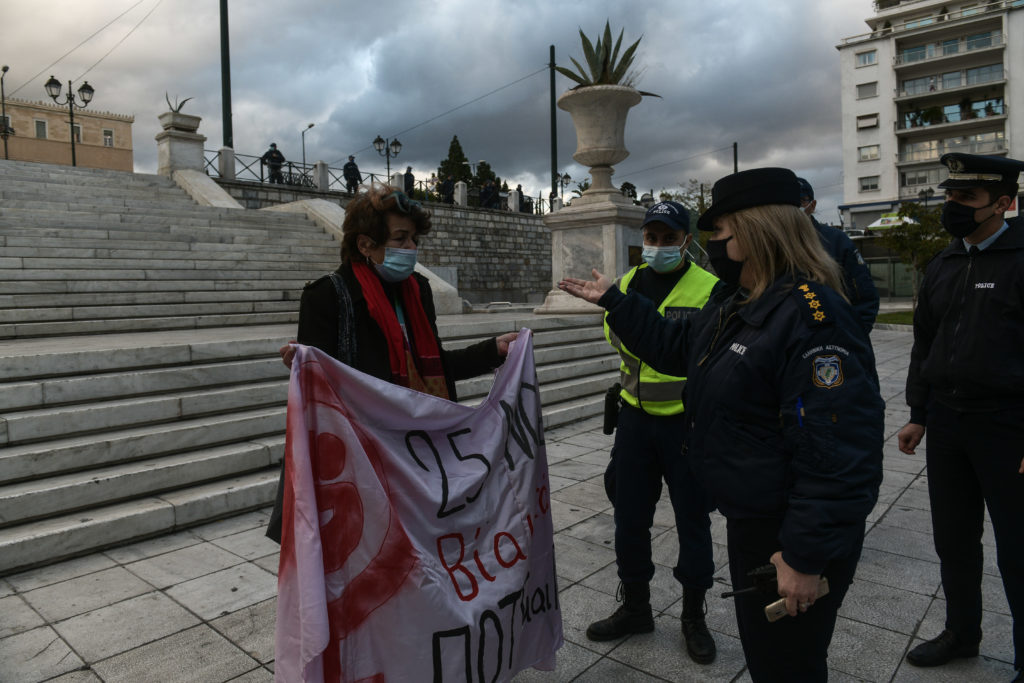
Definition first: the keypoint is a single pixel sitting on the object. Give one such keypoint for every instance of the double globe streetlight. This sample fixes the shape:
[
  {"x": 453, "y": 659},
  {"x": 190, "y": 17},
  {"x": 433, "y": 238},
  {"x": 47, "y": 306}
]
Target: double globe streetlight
[
  {"x": 387, "y": 149},
  {"x": 85, "y": 93}
]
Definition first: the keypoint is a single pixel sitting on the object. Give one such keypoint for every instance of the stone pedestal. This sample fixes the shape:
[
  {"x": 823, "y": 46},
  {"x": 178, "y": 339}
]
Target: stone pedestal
[
  {"x": 513, "y": 200},
  {"x": 461, "y": 194},
  {"x": 226, "y": 163},
  {"x": 322, "y": 176},
  {"x": 595, "y": 231},
  {"x": 179, "y": 147}
]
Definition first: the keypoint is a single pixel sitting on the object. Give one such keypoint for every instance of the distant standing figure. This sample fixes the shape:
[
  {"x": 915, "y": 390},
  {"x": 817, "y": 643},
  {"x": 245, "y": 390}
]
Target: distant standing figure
[
  {"x": 448, "y": 190},
  {"x": 352, "y": 175},
  {"x": 410, "y": 180},
  {"x": 273, "y": 159}
]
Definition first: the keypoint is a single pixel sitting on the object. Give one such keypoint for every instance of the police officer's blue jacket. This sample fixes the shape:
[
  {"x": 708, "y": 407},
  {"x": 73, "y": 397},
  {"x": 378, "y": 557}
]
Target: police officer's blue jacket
[
  {"x": 860, "y": 288},
  {"x": 785, "y": 419}
]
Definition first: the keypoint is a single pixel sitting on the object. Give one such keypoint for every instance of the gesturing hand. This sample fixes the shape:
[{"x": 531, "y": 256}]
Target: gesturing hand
[{"x": 588, "y": 290}]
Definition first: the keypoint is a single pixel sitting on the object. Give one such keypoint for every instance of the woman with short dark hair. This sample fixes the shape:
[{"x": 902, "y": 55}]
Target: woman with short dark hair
[{"x": 784, "y": 417}]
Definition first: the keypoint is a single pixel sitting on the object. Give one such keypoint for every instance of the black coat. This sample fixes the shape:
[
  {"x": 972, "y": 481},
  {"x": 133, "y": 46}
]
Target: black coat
[
  {"x": 784, "y": 416},
  {"x": 860, "y": 288},
  {"x": 318, "y": 326},
  {"x": 969, "y": 329}
]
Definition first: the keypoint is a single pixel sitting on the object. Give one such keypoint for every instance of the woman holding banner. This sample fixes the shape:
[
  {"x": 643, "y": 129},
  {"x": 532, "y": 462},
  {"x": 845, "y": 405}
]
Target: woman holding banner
[
  {"x": 784, "y": 418},
  {"x": 377, "y": 315}
]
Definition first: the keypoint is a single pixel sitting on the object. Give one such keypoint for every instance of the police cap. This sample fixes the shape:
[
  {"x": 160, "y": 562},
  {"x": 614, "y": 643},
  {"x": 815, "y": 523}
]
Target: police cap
[
  {"x": 672, "y": 214},
  {"x": 747, "y": 189},
  {"x": 976, "y": 170}
]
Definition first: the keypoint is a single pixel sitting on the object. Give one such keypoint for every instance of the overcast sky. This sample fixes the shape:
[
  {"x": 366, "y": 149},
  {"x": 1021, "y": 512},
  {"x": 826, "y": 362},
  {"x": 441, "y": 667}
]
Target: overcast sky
[{"x": 765, "y": 75}]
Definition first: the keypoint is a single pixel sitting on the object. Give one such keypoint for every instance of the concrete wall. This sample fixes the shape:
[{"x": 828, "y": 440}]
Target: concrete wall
[
  {"x": 55, "y": 148},
  {"x": 488, "y": 255}
]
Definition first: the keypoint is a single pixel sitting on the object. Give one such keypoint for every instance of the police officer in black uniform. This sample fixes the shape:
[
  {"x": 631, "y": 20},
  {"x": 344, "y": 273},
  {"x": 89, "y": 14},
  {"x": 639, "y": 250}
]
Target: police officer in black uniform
[{"x": 966, "y": 387}]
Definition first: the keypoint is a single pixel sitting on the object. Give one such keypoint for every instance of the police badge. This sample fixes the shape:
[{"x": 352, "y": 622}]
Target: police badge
[{"x": 828, "y": 371}]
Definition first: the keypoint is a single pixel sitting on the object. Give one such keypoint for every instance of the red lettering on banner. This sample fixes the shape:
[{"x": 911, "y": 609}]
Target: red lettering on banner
[
  {"x": 458, "y": 566},
  {"x": 520, "y": 555}
]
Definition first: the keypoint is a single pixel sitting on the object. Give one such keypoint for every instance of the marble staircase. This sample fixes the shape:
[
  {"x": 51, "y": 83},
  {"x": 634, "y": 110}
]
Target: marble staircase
[{"x": 140, "y": 386}]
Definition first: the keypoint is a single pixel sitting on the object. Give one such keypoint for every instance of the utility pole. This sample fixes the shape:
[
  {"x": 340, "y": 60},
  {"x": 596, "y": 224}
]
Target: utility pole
[
  {"x": 735, "y": 158},
  {"x": 554, "y": 128},
  {"x": 225, "y": 76}
]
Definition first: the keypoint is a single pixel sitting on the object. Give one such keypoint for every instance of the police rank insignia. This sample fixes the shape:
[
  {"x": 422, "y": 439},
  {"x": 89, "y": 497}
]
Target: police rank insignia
[{"x": 828, "y": 371}]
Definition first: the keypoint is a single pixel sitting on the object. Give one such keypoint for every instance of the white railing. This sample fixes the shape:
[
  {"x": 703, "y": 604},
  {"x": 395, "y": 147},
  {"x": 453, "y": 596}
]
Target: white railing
[
  {"x": 940, "y": 50},
  {"x": 950, "y": 16},
  {"x": 991, "y": 147}
]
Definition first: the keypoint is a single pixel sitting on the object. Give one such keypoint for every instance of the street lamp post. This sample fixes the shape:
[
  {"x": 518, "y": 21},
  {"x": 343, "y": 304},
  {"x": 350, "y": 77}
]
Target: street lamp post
[
  {"x": 6, "y": 130},
  {"x": 387, "y": 149},
  {"x": 304, "y": 146},
  {"x": 563, "y": 181},
  {"x": 85, "y": 92},
  {"x": 925, "y": 195}
]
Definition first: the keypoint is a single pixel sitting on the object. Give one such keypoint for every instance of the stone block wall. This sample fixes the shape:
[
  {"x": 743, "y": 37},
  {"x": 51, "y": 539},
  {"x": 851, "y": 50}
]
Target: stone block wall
[{"x": 489, "y": 255}]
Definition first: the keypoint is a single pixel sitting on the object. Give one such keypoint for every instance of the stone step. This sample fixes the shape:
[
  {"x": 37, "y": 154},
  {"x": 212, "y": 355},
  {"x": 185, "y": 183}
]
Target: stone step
[
  {"x": 180, "y": 215},
  {"x": 28, "y": 301},
  {"x": 173, "y": 237},
  {"x": 172, "y": 273},
  {"x": 150, "y": 223},
  {"x": 193, "y": 288},
  {"x": 15, "y": 188},
  {"x": 61, "y": 494},
  {"x": 20, "y": 316},
  {"x": 551, "y": 368},
  {"x": 56, "y": 538},
  {"x": 55, "y": 422},
  {"x": 64, "y": 328},
  {"x": 57, "y": 391},
  {"x": 72, "y": 454},
  {"x": 189, "y": 261},
  {"x": 110, "y": 246}
]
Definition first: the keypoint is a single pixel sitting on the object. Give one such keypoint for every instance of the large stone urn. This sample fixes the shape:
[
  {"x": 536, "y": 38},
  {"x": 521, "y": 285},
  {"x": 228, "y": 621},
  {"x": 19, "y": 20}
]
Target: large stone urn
[
  {"x": 179, "y": 146},
  {"x": 599, "y": 115}
]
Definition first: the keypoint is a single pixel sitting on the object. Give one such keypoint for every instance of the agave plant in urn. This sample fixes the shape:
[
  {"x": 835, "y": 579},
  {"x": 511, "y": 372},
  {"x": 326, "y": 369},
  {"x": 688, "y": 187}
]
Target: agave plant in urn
[{"x": 599, "y": 104}]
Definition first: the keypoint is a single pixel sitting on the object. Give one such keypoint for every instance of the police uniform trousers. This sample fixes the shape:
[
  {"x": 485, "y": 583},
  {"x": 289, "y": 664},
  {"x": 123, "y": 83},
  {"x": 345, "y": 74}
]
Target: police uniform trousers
[
  {"x": 973, "y": 461},
  {"x": 792, "y": 649},
  {"x": 647, "y": 450}
]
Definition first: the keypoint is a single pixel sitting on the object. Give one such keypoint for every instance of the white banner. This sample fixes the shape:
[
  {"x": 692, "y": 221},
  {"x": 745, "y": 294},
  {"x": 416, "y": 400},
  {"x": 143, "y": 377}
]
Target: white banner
[{"x": 417, "y": 542}]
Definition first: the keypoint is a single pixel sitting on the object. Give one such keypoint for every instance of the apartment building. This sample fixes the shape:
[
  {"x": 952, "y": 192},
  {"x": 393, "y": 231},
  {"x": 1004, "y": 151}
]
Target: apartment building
[
  {"x": 42, "y": 133},
  {"x": 930, "y": 77}
]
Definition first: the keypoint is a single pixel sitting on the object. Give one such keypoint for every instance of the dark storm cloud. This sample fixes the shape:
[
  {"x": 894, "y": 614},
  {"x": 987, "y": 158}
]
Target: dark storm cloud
[{"x": 765, "y": 76}]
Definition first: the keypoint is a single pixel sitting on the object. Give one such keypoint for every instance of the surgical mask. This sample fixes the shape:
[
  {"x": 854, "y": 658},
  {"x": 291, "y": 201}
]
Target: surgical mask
[
  {"x": 958, "y": 219},
  {"x": 398, "y": 264},
  {"x": 662, "y": 259},
  {"x": 726, "y": 269}
]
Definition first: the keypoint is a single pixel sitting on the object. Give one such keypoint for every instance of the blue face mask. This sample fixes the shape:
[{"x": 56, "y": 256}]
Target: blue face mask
[
  {"x": 662, "y": 259},
  {"x": 398, "y": 264}
]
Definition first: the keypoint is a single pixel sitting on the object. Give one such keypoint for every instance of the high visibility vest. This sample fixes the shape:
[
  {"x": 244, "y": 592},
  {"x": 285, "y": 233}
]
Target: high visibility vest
[{"x": 642, "y": 386}]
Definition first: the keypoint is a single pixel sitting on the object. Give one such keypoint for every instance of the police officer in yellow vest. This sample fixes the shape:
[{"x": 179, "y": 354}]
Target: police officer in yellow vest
[{"x": 648, "y": 441}]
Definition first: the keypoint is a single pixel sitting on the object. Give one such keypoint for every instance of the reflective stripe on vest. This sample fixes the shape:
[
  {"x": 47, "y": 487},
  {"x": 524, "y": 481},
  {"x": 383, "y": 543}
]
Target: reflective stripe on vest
[{"x": 642, "y": 386}]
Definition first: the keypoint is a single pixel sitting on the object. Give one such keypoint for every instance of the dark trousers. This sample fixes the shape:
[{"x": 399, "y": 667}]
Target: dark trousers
[
  {"x": 647, "y": 450},
  {"x": 276, "y": 176},
  {"x": 793, "y": 649},
  {"x": 351, "y": 185},
  {"x": 973, "y": 460}
]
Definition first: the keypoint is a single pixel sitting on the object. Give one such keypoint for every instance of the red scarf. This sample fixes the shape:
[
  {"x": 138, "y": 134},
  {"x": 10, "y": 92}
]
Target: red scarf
[{"x": 418, "y": 368}]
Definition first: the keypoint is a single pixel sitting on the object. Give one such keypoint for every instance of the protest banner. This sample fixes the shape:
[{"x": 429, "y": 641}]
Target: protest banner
[{"x": 417, "y": 541}]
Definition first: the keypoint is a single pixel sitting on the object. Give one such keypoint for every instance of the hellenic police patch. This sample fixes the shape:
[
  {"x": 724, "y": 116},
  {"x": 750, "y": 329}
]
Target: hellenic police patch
[{"x": 828, "y": 371}]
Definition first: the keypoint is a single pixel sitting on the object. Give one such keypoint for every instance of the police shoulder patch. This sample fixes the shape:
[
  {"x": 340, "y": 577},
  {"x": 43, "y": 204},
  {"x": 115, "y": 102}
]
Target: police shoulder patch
[
  {"x": 827, "y": 371},
  {"x": 809, "y": 301}
]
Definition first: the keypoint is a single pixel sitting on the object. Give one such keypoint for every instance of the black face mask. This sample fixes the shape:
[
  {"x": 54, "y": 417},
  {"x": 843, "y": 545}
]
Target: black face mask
[
  {"x": 726, "y": 269},
  {"x": 958, "y": 219}
]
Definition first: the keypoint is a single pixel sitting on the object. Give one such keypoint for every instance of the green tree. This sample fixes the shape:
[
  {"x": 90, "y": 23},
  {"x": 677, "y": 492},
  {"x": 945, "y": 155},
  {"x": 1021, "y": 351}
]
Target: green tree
[
  {"x": 581, "y": 187},
  {"x": 629, "y": 189},
  {"x": 484, "y": 172},
  {"x": 695, "y": 195},
  {"x": 917, "y": 241},
  {"x": 456, "y": 165}
]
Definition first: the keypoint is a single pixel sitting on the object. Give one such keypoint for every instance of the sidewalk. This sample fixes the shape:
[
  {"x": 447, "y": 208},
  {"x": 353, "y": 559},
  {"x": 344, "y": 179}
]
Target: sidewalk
[{"x": 198, "y": 606}]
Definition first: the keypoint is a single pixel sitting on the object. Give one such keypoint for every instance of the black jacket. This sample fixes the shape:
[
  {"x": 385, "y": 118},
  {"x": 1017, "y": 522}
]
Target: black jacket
[
  {"x": 860, "y": 288},
  {"x": 784, "y": 415},
  {"x": 969, "y": 329},
  {"x": 318, "y": 326}
]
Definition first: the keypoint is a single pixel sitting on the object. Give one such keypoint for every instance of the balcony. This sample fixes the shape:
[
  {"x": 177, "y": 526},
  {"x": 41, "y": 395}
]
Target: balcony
[
  {"x": 934, "y": 51},
  {"x": 923, "y": 155},
  {"x": 935, "y": 84},
  {"x": 885, "y": 6},
  {"x": 936, "y": 116}
]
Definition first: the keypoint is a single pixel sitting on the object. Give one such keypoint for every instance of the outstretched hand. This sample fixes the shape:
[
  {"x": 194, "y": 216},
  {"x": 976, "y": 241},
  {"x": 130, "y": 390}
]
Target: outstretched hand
[
  {"x": 504, "y": 341},
  {"x": 287, "y": 354},
  {"x": 588, "y": 290}
]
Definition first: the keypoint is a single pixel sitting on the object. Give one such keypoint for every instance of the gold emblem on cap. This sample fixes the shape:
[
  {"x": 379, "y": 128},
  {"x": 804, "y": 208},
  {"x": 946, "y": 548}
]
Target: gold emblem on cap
[{"x": 955, "y": 165}]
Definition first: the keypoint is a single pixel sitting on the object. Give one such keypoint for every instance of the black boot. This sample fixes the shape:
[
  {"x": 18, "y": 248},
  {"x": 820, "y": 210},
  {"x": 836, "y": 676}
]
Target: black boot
[
  {"x": 699, "y": 643},
  {"x": 634, "y": 616}
]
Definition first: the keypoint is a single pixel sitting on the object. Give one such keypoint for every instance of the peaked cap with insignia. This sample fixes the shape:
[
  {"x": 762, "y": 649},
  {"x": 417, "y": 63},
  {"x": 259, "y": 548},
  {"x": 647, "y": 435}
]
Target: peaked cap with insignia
[{"x": 977, "y": 170}]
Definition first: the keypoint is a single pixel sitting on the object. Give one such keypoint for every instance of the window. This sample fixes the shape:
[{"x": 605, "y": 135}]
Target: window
[
  {"x": 867, "y": 58},
  {"x": 916, "y": 86},
  {"x": 868, "y": 183},
  {"x": 951, "y": 80},
  {"x": 914, "y": 54},
  {"x": 979, "y": 40},
  {"x": 969, "y": 10},
  {"x": 923, "y": 176},
  {"x": 41, "y": 129},
  {"x": 867, "y": 153},
  {"x": 985, "y": 74},
  {"x": 78, "y": 133},
  {"x": 918, "y": 23},
  {"x": 865, "y": 90},
  {"x": 867, "y": 121},
  {"x": 950, "y": 47},
  {"x": 108, "y": 137}
]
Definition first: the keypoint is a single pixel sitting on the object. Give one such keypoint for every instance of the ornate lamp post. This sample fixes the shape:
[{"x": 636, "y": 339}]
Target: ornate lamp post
[
  {"x": 304, "y": 146},
  {"x": 387, "y": 149},
  {"x": 925, "y": 195},
  {"x": 85, "y": 93},
  {"x": 5, "y": 130},
  {"x": 563, "y": 182}
]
